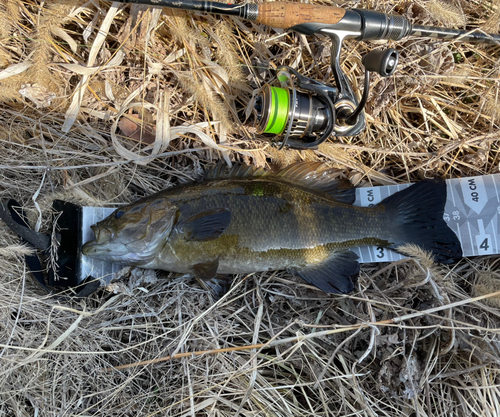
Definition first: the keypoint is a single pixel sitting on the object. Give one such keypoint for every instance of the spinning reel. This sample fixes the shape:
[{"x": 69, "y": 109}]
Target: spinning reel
[{"x": 302, "y": 112}]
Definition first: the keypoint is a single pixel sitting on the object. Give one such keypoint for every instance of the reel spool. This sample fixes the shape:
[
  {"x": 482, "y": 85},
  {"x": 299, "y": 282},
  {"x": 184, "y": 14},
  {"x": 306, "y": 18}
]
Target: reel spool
[{"x": 304, "y": 118}]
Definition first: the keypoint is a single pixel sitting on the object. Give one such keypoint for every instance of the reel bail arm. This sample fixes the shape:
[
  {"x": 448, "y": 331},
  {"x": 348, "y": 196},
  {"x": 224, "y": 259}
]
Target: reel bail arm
[
  {"x": 347, "y": 102},
  {"x": 383, "y": 63}
]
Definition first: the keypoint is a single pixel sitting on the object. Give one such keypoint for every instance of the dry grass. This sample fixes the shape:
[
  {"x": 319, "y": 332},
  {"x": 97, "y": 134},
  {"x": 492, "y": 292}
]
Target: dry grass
[{"x": 75, "y": 75}]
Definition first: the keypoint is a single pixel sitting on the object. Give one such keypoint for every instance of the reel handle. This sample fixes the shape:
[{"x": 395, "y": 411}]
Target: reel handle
[{"x": 382, "y": 62}]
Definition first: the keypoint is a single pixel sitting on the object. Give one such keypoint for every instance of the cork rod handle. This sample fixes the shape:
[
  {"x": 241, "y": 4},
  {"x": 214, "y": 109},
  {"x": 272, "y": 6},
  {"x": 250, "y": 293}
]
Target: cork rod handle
[{"x": 283, "y": 15}]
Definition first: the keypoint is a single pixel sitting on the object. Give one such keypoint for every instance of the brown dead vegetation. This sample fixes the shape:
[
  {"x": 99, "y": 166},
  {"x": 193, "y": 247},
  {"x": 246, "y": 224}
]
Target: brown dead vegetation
[{"x": 102, "y": 103}]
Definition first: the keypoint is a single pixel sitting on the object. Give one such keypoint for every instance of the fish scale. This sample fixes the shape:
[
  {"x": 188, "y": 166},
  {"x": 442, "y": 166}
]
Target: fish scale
[{"x": 288, "y": 218}]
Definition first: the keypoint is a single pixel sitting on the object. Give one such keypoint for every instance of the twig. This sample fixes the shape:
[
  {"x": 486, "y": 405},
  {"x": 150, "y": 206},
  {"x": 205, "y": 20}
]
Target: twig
[{"x": 302, "y": 338}]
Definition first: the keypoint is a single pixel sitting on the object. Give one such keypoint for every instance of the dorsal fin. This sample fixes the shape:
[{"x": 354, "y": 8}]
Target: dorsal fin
[
  {"x": 310, "y": 176},
  {"x": 237, "y": 171},
  {"x": 305, "y": 174}
]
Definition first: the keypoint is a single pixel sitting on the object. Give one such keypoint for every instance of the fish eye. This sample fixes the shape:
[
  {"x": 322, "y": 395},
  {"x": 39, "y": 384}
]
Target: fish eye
[{"x": 119, "y": 214}]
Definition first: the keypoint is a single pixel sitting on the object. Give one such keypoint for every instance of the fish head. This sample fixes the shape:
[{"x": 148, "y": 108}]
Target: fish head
[{"x": 134, "y": 234}]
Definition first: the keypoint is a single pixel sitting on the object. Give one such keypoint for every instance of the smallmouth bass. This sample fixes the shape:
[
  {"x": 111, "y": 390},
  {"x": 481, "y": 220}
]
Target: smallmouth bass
[{"x": 299, "y": 219}]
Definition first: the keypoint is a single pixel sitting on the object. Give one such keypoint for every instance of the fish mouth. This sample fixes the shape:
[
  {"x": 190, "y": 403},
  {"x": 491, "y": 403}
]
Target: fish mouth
[{"x": 88, "y": 247}]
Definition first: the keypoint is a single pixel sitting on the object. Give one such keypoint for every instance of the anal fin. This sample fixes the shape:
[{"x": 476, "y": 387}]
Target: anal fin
[{"x": 336, "y": 275}]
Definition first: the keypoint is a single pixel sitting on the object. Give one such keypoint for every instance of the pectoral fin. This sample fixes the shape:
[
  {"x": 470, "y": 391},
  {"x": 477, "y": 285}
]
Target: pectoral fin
[
  {"x": 206, "y": 275},
  {"x": 205, "y": 225},
  {"x": 336, "y": 275}
]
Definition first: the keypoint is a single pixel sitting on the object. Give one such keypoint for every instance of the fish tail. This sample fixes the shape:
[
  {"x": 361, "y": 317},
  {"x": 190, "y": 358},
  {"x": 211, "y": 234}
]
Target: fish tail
[{"x": 417, "y": 218}]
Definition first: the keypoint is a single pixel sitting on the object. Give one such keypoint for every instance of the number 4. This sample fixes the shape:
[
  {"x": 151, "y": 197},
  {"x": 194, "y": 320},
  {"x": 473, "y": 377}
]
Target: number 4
[{"x": 484, "y": 245}]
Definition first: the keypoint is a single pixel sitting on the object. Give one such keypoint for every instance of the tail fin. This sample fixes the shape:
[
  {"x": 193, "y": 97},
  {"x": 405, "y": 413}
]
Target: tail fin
[{"x": 417, "y": 213}]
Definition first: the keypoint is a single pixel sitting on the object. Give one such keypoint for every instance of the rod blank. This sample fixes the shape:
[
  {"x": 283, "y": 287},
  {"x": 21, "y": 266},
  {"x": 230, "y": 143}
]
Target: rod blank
[
  {"x": 282, "y": 14},
  {"x": 443, "y": 33}
]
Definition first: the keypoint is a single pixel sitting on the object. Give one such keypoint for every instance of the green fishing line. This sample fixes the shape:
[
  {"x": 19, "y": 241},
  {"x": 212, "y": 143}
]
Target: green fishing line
[{"x": 278, "y": 114}]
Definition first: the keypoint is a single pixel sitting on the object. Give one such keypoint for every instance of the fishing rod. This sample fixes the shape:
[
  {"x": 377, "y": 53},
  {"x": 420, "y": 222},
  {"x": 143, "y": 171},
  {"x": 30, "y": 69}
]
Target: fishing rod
[{"x": 303, "y": 112}]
